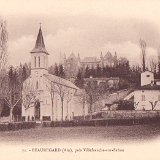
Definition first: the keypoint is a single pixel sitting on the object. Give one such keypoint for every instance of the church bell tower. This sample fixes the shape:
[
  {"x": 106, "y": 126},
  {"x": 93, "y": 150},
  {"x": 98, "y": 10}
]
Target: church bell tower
[{"x": 39, "y": 57}]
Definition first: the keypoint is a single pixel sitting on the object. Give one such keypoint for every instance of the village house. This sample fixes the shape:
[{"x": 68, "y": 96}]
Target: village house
[
  {"x": 147, "y": 97},
  {"x": 46, "y": 96}
]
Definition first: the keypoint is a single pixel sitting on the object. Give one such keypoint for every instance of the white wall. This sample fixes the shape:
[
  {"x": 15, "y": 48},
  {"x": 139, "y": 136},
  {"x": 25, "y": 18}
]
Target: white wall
[
  {"x": 148, "y": 95},
  {"x": 146, "y": 78},
  {"x": 46, "y": 103},
  {"x": 42, "y": 69}
]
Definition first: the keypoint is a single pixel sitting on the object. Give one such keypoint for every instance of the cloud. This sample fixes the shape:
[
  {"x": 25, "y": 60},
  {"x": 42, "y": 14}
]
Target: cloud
[
  {"x": 19, "y": 49},
  {"x": 73, "y": 40},
  {"x": 87, "y": 36},
  {"x": 130, "y": 50}
]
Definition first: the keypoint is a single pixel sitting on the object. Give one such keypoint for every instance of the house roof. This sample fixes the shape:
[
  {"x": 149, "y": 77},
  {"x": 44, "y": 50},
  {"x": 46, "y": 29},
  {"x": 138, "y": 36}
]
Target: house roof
[
  {"x": 89, "y": 59},
  {"x": 72, "y": 56},
  {"x": 115, "y": 97},
  {"x": 105, "y": 79},
  {"x": 149, "y": 87},
  {"x": 59, "y": 80},
  {"x": 39, "y": 46},
  {"x": 147, "y": 72},
  {"x": 108, "y": 55}
]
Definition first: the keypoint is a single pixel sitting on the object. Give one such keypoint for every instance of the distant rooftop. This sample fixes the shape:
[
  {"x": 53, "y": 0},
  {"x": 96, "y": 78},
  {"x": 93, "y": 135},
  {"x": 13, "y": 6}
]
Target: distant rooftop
[
  {"x": 149, "y": 87},
  {"x": 61, "y": 81},
  {"x": 89, "y": 59},
  {"x": 110, "y": 78}
]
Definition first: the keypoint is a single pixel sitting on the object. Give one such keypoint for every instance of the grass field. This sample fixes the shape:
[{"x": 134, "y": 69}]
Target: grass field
[{"x": 86, "y": 134}]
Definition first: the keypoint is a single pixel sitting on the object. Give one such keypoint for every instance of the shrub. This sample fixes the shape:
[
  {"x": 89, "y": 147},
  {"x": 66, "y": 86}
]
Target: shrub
[{"x": 125, "y": 105}]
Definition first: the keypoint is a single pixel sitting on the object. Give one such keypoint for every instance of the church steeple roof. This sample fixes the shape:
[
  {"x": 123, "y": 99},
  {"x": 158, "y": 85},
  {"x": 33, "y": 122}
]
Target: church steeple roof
[{"x": 39, "y": 46}]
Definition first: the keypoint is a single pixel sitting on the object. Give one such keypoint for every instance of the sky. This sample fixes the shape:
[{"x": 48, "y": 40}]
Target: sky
[{"x": 87, "y": 27}]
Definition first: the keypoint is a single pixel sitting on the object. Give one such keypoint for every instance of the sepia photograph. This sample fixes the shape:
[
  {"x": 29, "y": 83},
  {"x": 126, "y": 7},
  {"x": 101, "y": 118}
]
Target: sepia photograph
[{"x": 79, "y": 79}]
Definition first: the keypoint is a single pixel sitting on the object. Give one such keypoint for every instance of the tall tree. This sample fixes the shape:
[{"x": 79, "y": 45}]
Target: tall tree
[
  {"x": 86, "y": 73},
  {"x": 61, "y": 71},
  {"x": 51, "y": 87},
  {"x": 92, "y": 95},
  {"x": 143, "y": 53},
  {"x": 64, "y": 92},
  {"x": 24, "y": 73},
  {"x": 51, "y": 69},
  {"x": 79, "y": 82},
  {"x": 98, "y": 71},
  {"x": 153, "y": 65},
  {"x": 3, "y": 44},
  {"x": 3, "y": 54},
  {"x": 12, "y": 93},
  {"x": 56, "y": 71}
]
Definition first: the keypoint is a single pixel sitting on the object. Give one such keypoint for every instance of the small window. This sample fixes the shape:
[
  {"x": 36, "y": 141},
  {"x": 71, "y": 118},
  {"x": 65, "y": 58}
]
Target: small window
[
  {"x": 39, "y": 61},
  {"x": 37, "y": 85},
  {"x": 143, "y": 97},
  {"x": 35, "y": 62},
  {"x": 148, "y": 75}
]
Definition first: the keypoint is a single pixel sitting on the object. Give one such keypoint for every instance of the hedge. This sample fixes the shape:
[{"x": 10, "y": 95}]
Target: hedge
[{"x": 17, "y": 126}]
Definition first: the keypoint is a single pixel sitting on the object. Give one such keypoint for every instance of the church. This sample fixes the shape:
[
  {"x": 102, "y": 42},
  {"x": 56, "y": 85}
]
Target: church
[{"x": 45, "y": 96}]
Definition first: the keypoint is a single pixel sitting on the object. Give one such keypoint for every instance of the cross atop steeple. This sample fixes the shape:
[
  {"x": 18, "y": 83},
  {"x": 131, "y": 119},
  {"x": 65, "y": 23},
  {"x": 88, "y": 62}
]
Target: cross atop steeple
[{"x": 39, "y": 46}]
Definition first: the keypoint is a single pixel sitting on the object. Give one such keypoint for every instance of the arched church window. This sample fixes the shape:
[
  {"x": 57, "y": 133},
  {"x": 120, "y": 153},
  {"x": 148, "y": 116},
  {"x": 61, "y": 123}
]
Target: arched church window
[
  {"x": 39, "y": 61},
  {"x": 35, "y": 62},
  {"x": 37, "y": 85}
]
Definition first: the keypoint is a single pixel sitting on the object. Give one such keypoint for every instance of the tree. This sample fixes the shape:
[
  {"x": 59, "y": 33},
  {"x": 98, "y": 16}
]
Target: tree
[
  {"x": 61, "y": 90},
  {"x": 143, "y": 53},
  {"x": 136, "y": 105},
  {"x": 3, "y": 55},
  {"x": 98, "y": 71},
  {"x": 125, "y": 105},
  {"x": 92, "y": 72},
  {"x": 69, "y": 94},
  {"x": 79, "y": 81},
  {"x": 153, "y": 104},
  {"x": 158, "y": 62},
  {"x": 28, "y": 69},
  {"x": 86, "y": 73},
  {"x": 51, "y": 70},
  {"x": 51, "y": 87},
  {"x": 24, "y": 74},
  {"x": 3, "y": 45},
  {"x": 29, "y": 94},
  {"x": 61, "y": 71},
  {"x": 12, "y": 92},
  {"x": 153, "y": 65},
  {"x": 56, "y": 72},
  {"x": 92, "y": 95},
  {"x": 4, "y": 109},
  {"x": 65, "y": 92},
  {"x": 81, "y": 99}
]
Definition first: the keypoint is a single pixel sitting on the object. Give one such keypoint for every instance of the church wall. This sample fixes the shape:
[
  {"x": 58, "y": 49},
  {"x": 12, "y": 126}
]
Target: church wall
[
  {"x": 29, "y": 113},
  {"x": 74, "y": 109},
  {"x": 39, "y": 88}
]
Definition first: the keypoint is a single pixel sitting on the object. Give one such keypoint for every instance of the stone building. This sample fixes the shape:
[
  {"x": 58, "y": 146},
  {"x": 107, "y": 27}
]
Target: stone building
[
  {"x": 73, "y": 62},
  {"x": 45, "y": 96}
]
